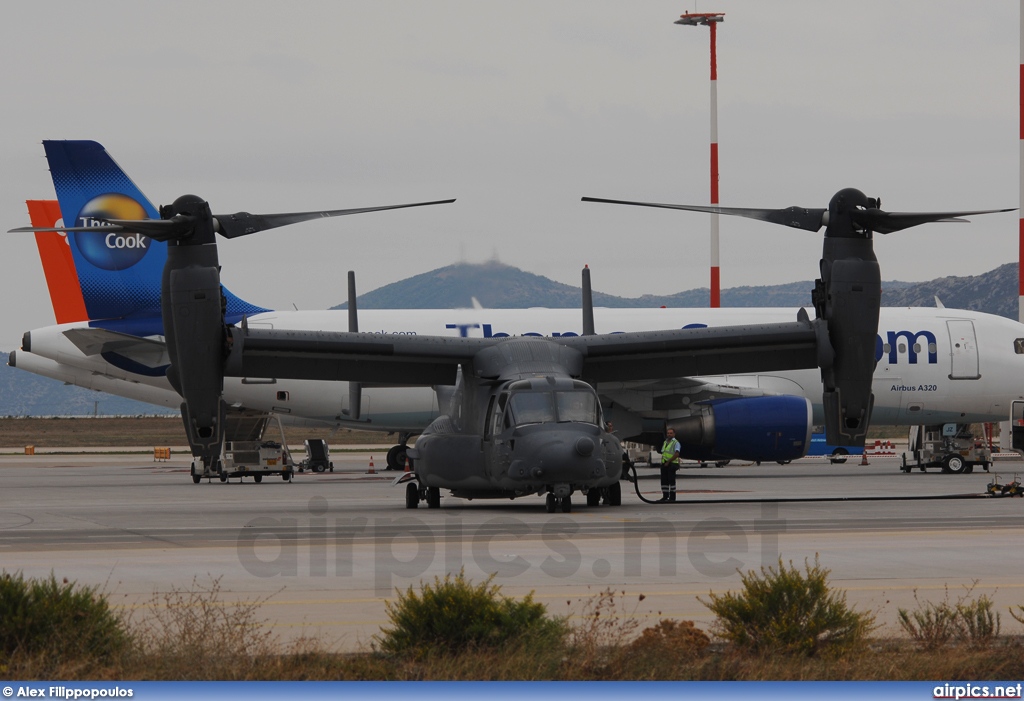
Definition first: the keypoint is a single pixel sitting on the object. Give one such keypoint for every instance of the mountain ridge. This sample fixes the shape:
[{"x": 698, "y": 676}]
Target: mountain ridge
[{"x": 499, "y": 286}]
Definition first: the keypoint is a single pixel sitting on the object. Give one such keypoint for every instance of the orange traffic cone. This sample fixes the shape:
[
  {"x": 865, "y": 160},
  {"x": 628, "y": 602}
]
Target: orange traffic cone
[
  {"x": 371, "y": 471},
  {"x": 864, "y": 457}
]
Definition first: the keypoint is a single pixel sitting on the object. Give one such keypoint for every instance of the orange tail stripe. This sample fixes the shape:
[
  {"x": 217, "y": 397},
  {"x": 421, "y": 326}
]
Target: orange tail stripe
[{"x": 58, "y": 265}]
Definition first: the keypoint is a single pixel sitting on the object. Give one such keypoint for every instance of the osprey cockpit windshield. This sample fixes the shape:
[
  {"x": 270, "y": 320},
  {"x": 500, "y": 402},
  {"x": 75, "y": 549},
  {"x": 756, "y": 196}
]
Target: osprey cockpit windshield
[{"x": 539, "y": 401}]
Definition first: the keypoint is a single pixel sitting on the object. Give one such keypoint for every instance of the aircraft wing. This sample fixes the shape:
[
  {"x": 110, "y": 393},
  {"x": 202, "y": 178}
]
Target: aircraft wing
[
  {"x": 94, "y": 341},
  {"x": 360, "y": 357},
  {"x": 433, "y": 360},
  {"x": 692, "y": 352}
]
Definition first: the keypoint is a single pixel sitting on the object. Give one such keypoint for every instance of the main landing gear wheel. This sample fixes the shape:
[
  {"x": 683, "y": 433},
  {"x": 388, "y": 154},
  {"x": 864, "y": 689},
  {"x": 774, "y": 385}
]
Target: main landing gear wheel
[
  {"x": 412, "y": 495},
  {"x": 257, "y": 478},
  {"x": 839, "y": 456},
  {"x": 396, "y": 457},
  {"x": 433, "y": 498},
  {"x": 566, "y": 504},
  {"x": 593, "y": 496},
  {"x": 195, "y": 476},
  {"x": 613, "y": 495},
  {"x": 954, "y": 464},
  {"x": 550, "y": 503}
]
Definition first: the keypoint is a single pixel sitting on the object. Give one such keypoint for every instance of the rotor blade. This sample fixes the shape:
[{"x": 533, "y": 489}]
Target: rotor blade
[
  {"x": 62, "y": 229},
  {"x": 888, "y": 222},
  {"x": 243, "y": 223},
  {"x": 158, "y": 229},
  {"x": 796, "y": 217}
]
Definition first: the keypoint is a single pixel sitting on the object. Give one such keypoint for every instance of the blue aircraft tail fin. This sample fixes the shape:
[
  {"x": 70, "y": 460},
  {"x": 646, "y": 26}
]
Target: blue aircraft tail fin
[{"x": 119, "y": 274}]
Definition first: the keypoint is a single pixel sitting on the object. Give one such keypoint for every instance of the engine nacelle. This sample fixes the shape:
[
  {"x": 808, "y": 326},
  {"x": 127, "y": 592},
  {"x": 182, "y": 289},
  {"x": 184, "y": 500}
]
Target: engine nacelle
[{"x": 746, "y": 428}]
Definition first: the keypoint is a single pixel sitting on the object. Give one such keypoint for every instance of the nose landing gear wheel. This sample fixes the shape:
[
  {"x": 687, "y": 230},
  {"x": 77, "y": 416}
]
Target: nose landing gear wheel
[{"x": 412, "y": 495}]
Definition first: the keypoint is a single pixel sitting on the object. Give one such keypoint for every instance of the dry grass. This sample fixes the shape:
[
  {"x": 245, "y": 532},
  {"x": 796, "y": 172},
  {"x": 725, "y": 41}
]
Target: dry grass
[
  {"x": 888, "y": 661},
  {"x": 142, "y": 432}
]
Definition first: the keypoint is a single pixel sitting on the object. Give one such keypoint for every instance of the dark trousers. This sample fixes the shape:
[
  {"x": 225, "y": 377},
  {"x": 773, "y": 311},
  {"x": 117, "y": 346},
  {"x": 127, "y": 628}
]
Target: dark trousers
[{"x": 668, "y": 481}]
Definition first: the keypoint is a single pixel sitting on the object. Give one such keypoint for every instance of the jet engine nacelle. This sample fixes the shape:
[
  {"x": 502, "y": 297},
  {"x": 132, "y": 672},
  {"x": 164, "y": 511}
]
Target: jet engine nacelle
[{"x": 746, "y": 428}]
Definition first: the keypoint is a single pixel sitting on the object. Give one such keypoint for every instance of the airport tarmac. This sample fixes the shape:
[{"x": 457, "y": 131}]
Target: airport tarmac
[{"x": 327, "y": 550}]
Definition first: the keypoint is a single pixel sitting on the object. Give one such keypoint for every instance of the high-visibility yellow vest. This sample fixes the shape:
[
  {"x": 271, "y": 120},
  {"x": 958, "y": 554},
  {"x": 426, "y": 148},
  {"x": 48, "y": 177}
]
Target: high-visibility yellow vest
[{"x": 669, "y": 450}]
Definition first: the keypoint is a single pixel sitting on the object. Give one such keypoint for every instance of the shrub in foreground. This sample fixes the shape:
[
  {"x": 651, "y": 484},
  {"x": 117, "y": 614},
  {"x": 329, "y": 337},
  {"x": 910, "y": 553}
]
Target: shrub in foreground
[
  {"x": 785, "y": 610},
  {"x": 454, "y": 615},
  {"x": 970, "y": 622},
  {"x": 58, "y": 621},
  {"x": 193, "y": 633}
]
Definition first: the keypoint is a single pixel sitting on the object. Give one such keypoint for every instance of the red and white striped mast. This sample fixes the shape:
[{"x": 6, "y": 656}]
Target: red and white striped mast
[{"x": 711, "y": 20}]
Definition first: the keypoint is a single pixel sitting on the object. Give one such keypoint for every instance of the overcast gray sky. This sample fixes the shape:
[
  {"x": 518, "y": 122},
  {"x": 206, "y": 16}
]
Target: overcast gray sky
[{"x": 518, "y": 109}]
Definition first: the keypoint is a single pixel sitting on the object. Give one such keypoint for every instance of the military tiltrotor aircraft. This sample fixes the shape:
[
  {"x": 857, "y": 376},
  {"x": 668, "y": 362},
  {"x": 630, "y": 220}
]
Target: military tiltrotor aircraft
[{"x": 523, "y": 416}]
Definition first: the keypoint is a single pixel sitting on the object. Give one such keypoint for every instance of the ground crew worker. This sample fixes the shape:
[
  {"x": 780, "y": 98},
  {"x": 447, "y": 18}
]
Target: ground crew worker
[{"x": 669, "y": 465}]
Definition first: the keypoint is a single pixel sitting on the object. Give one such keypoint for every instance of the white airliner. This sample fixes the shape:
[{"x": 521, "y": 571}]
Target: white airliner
[{"x": 935, "y": 365}]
